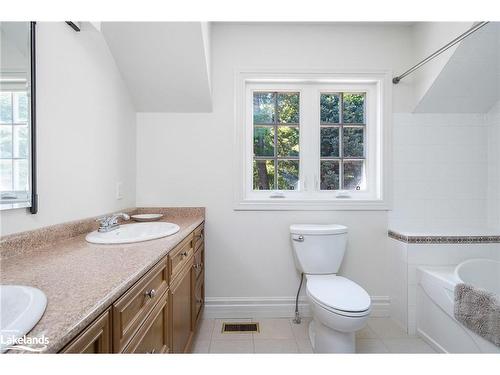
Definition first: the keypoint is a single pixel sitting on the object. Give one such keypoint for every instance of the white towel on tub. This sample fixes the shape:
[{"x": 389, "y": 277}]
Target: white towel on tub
[{"x": 478, "y": 310}]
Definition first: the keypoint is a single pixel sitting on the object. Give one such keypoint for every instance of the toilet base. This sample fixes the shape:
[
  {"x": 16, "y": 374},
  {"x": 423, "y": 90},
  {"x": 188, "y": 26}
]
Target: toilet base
[{"x": 327, "y": 340}]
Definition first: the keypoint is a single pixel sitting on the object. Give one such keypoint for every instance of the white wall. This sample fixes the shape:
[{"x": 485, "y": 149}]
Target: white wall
[
  {"x": 440, "y": 173},
  {"x": 186, "y": 159},
  {"x": 86, "y": 130}
]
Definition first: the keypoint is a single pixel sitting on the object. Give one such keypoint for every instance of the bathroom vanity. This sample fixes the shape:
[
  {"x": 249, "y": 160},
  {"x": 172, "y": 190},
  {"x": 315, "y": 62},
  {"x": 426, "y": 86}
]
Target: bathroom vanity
[{"x": 145, "y": 297}]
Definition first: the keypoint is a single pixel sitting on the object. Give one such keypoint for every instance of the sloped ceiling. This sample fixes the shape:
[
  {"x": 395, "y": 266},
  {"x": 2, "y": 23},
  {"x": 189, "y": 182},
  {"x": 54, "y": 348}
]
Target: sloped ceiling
[
  {"x": 166, "y": 65},
  {"x": 470, "y": 80}
]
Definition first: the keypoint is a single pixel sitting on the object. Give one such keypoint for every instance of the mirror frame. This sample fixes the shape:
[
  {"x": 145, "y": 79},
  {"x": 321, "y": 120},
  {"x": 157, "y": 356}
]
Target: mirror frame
[
  {"x": 31, "y": 205},
  {"x": 34, "y": 195}
]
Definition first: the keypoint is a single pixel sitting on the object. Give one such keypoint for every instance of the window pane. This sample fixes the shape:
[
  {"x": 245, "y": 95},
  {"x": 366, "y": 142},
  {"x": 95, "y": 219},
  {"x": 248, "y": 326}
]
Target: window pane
[
  {"x": 5, "y": 108},
  {"x": 288, "y": 141},
  {"x": 5, "y": 141},
  {"x": 329, "y": 175},
  {"x": 354, "y": 111},
  {"x": 263, "y": 175},
  {"x": 330, "y": 142},
  {"x": 288, "y": 174},
  {"x": 353, "y": 142},
  {"x": 329, "y": 104},
  {"x": 5, "y": 175},
  {"x": 21, "y": 141},
  {"x": 353, "y": 175},
  {"x": 288, "y": 108},
  {"x": 263, "y": 141},
  {"x": 21, "y": 175},
  {"x": 20, "y": 107},
  {"x": 264, "y": 107}
]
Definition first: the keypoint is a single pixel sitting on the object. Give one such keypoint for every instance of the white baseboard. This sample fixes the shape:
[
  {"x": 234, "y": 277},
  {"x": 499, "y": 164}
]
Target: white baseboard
[{"x": 273, "y": 307}]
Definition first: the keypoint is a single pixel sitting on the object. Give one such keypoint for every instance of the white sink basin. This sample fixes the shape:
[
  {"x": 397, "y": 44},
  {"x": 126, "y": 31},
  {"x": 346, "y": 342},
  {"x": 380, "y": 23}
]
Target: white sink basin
[
  {"x": 129, "y": 233},
  {"x": 21, "y": 307}
]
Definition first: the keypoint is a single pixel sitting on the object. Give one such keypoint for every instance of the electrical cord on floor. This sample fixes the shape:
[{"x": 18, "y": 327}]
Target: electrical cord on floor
[{"x": 297, "y": 319}]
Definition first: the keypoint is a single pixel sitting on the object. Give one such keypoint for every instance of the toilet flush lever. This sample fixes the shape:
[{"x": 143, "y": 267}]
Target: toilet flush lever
[{"x": 299, "y": 238}]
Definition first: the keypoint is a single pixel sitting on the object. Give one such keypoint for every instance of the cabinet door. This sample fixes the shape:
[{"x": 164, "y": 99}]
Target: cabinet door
[
  {"x": 95, "y": 339},
  {"x": 152, "y": 336},
  {"x": 181, "y": 311},
  {"x": 198, "y": 300}
]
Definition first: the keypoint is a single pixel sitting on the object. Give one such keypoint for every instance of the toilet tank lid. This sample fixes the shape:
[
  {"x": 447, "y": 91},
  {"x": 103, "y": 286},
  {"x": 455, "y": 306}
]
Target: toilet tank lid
[{"x": 317, "y": 229}]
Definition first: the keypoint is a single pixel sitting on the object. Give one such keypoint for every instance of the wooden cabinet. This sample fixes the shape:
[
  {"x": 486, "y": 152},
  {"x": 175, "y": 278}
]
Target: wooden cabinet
[
  {"x": 95, "y": 339},
  {"x": 181, "y": 299},
  {"x": 153, "y": 336},
  {"x": 159, "y": 313}
]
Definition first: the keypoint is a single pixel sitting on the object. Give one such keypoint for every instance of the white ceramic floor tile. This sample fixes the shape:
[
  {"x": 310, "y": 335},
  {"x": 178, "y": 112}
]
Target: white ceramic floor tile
[
  {"x": 304, "y": 346},
  {"x": 201, "y": 346},
  {"x": 301, "y": 331},
  {"x": 408, "y": 345},
  {"x": 232, "y": 346},
  {"x": 274, "y": 329},
  {"x": 370, "y": 346},
  {"x": 366, "y": 333},
  {"x": 276, "y": 346},
  {"x": 218, "y": 335},
  {"x": 386, "y": 328},
  {"x": 205, "y": 329}
]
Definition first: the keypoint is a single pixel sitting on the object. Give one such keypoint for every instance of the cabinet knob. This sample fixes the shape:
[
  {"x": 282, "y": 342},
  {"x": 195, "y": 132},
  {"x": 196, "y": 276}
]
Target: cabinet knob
[
  {"x": 184, "y": 254},
  {"x": 150, "y": 293}
]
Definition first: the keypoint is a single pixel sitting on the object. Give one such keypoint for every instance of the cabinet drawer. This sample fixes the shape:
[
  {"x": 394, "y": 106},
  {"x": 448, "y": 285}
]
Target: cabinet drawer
[
  {"x": 198, "y": 300},
  {"x": 132, "y": 308},
  {"x": 179, "y": 257},
  {"x": 152, "y": 336},
  {"x": 198, "y": 265},
  {"x": 96, "y": 338},
  {"x": 198, "y": 236}
]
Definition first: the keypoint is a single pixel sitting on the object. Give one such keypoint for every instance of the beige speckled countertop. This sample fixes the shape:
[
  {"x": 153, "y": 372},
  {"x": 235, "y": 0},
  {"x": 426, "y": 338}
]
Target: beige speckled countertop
[{"x": 81, "y": 280}]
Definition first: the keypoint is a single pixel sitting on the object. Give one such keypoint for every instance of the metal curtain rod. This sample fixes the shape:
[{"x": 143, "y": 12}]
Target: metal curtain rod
[
  {"x": 73, "y": 25},
  {"x": 472, "y": 30}
]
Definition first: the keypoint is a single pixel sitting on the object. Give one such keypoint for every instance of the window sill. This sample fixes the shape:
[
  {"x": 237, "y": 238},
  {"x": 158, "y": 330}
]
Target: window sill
[{"x": 312, "y": 205}]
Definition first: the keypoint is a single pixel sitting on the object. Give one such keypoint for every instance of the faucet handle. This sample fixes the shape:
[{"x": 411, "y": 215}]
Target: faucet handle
[{"x": 102, "y": 220}]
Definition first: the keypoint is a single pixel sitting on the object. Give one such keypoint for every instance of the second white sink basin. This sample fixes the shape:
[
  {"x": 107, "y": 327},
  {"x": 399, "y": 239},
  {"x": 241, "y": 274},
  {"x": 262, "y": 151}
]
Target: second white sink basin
[
  {"x": 21, "y": 307},
  {"x": 130, "y": 233}
]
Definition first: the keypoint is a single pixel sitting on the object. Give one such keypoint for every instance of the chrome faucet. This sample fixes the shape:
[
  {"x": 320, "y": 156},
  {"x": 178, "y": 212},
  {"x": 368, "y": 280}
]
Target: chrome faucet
[{"x": 109, "y": 223}]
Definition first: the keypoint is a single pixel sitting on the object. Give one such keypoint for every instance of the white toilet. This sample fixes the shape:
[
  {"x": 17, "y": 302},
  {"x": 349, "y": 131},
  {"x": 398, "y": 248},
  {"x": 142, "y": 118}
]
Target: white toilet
[{"x": 340, "y": 307}]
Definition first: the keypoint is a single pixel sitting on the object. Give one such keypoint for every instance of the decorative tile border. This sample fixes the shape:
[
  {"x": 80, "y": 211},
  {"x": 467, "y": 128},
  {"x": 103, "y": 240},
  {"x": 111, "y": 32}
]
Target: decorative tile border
[{"x": 443, "y": 239}]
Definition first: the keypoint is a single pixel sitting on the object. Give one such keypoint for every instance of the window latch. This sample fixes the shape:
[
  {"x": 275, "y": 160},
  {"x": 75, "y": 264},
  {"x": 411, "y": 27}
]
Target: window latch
[
  {"x": 343, "y": 194},
  {"x": 277, "y": 194}
]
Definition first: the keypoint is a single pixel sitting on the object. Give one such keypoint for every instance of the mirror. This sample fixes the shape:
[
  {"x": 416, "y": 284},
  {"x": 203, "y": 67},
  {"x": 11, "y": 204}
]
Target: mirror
[{"x": 17, "y": 116}]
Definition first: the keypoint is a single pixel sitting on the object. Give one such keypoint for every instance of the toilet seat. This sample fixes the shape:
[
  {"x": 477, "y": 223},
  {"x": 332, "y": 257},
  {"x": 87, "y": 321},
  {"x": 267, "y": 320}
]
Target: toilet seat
[{"x": 338, "y": 295}]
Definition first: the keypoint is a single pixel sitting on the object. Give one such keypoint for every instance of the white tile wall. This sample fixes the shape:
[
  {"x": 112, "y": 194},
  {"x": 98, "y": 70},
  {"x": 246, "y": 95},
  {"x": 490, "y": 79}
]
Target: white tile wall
[
  {"x": 493, "y": 123},
  {"x": 440, "y": 172}
]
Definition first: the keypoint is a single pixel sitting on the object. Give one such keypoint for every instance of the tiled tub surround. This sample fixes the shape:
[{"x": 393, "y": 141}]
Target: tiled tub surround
[
  {"x": 441, "y": 164},
  {"x": 405, "y": 256},
  {"x": 81, "y": 279}
]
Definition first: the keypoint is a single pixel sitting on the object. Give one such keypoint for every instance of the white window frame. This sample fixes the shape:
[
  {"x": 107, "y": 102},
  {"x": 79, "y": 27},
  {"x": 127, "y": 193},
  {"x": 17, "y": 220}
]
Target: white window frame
[{"x": 376, "y": 84}]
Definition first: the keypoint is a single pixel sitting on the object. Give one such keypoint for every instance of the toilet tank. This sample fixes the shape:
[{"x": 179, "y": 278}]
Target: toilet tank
[{"x": 318, "y": 249}]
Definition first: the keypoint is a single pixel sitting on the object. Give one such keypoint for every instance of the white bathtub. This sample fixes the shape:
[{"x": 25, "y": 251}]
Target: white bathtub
[{"x": 435, "y": 292}]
